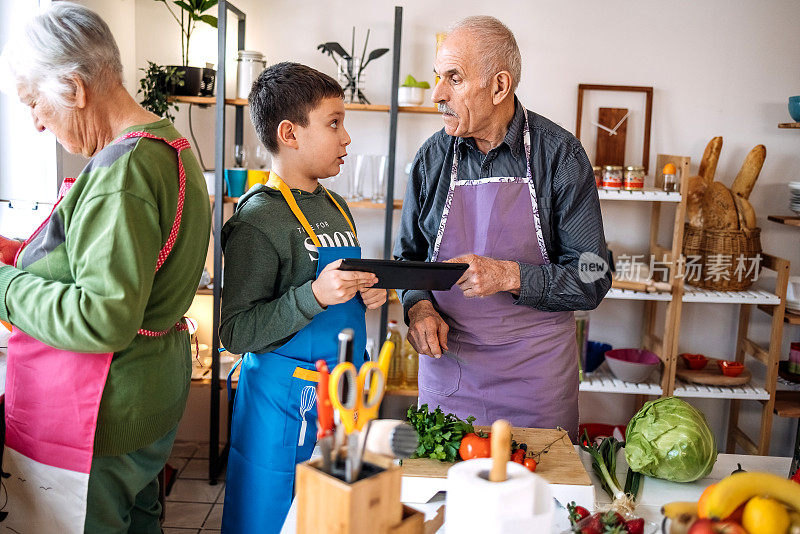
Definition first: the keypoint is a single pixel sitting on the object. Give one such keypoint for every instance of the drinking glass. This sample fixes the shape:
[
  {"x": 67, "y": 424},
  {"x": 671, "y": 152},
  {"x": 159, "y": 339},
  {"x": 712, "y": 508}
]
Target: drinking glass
[
  {"x": 363, "y": 177},
  {"x": 342, "y": 182},
  {"x": 260, "y": 156},
  {"x": 240, "y": 155},
  {"x": 379, "y": 182}
]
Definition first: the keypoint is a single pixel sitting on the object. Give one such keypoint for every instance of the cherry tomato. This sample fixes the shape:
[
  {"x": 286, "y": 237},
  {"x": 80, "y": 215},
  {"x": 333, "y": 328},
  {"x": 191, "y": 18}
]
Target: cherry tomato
[
  {"x": 474, "y": 446},
  {"x": 531, "y": 464},
  {"x": 518, "y": 456}
]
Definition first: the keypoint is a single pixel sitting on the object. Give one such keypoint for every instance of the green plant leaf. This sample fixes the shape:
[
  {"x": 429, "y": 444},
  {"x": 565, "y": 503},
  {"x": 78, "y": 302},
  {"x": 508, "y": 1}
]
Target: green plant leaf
[
  {"x": 183, "y": 5},
  {"x": 208, "y": 4},
  {"x": 211, "y": 20}
]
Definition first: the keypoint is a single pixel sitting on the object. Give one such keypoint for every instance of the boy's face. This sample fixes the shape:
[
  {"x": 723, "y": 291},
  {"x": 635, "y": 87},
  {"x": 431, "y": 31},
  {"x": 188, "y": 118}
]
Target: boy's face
[{"x": 323, "y": 143}]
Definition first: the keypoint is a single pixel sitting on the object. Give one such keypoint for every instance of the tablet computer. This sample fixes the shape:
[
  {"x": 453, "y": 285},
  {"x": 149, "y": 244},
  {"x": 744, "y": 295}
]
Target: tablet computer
[{"x": 393, "y": 274}]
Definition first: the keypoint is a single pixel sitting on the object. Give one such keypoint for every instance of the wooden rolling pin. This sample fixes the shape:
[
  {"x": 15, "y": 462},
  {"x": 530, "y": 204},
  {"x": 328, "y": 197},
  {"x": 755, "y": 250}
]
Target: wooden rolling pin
[{"x": 501, "y": 450}]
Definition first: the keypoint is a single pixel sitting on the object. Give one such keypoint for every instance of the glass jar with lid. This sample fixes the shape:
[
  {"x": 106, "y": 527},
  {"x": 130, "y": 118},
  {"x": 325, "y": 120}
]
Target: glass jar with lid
[
  {"x": 634, "y": 178},
  {"x": 612, "y": 177}
]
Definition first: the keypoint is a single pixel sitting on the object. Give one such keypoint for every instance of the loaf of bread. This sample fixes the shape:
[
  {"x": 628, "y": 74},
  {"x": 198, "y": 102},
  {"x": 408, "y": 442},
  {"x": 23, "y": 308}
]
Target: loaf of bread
[
  {"x": 748, "y": 174},
  {"x": 719, "y": 208},
  {"x": 708, "y": 165},
  {"x": 696, "y": 190},
  {"x": 746, "y": 213}
]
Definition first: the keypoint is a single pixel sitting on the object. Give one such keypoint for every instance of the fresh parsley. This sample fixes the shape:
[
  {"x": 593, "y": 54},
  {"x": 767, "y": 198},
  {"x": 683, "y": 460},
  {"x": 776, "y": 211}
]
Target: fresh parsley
[{"x": 439, "y": 433}]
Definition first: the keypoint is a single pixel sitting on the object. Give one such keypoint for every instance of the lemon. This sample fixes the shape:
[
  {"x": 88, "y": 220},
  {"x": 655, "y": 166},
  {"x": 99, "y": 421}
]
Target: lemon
[{"x": 763, "y": 515}]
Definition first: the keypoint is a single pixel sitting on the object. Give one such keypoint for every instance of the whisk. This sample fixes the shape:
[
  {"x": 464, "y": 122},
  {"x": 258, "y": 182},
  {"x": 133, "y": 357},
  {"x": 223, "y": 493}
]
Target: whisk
[{"x": 307, "y": 399}]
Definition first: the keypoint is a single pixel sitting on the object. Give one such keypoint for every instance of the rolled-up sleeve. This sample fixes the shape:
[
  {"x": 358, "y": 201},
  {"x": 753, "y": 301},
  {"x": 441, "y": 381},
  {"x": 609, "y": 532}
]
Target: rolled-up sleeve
[
  {"x": 411, "y": 243},
  {"x": 575, "y": 278}
]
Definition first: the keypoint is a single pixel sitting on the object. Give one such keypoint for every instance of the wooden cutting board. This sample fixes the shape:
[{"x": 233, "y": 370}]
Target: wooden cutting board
[
  {"x": 710, "y": 375},
  {"x": 561, "y": 465}
]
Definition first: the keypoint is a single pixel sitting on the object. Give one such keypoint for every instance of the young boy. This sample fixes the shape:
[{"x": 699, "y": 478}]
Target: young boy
[{"x": 284, "y": 300}]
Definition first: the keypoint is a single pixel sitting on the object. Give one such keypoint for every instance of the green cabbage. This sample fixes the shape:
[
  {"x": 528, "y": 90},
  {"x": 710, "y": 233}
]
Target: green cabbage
[{"x": 670, "y": 439}]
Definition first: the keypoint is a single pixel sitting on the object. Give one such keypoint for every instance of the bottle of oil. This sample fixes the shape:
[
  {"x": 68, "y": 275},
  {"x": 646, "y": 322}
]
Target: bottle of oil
[
  {"x": 395, "y": 378},
  {"x": 410, "y": 360}
]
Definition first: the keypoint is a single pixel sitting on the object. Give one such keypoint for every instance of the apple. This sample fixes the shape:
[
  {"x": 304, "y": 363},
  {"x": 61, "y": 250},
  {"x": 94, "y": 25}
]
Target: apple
[{"x": 708, "y": 526}]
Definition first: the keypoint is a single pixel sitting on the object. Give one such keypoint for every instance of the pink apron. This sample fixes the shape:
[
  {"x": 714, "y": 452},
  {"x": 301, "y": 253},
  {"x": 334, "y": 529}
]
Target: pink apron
[
  {"x": 52, "y": 398},
  {"x": 505, "y": 360}
]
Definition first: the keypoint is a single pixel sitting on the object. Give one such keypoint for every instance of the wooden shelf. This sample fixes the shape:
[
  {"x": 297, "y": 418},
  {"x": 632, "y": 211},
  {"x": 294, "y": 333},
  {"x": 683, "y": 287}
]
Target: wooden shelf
[
  {"x": 787, "y": 403},
  {"x": 225, "y": 200},
  {"x": 789, "y": 220},
  {"x": 644, "y": 195},
  {"x": 792, "y": 125},
  {"x": 789, "y": 317},
  {"x": 385, "y": 108},
  {"x": 752, "y": 296},
  {"x": 206, "y": 100},
  {"x": 204, "y": 291},
  {"x": 370, "y": 205},
  {"x": 403, "y": 392}
]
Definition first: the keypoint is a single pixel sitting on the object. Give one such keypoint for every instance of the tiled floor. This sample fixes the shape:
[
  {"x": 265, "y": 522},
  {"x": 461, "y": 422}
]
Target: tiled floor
[{"x": 193, "y": 506}]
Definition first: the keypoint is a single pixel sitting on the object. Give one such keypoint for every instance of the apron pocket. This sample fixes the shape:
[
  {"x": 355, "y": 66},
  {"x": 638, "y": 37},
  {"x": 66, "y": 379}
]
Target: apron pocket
[
  {"x": 301, "y": 406},
  {"x": 440, "y": 376}
]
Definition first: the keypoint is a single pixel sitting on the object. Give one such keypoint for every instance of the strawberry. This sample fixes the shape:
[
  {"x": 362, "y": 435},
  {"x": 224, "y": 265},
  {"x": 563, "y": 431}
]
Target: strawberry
[{"x": 635, "y": 526}]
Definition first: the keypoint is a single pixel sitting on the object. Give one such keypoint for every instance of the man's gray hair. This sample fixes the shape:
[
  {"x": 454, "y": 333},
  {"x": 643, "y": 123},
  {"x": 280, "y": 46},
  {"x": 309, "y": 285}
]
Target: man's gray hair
[
  {"x": 63, "y": 41},
  {"x": 496, "y": 44}
]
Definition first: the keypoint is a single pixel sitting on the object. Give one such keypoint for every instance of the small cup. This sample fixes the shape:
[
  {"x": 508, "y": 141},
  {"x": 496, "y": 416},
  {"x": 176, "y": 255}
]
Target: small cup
[
  {"x": 255, "y": 177},
  {"x": 730, "y": 368},
  {"x": 235, "y": 180}
]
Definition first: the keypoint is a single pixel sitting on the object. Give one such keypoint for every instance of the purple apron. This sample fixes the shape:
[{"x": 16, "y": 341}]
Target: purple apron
[{"x": 504, "y": 360}]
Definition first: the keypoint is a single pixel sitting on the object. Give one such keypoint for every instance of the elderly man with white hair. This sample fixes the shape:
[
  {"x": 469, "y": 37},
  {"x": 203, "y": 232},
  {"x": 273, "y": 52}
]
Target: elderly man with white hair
[
  {"x": 513, "y": 195},
  {"x": 99, "y": 361}
]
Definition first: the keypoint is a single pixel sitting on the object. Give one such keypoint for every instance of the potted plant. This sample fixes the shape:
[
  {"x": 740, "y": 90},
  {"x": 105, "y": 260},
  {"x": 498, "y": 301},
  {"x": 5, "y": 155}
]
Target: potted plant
[
  {"x": 156, "y": 85},
  {"x": 191, "y": 12},
  {"x": 412, "y": 92}
]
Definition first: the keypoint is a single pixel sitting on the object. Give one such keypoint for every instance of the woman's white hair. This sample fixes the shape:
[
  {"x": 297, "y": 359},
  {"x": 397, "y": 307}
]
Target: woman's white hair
[
  {"x": 496, "y": 45},
  {"x": 61, "y": 42}
]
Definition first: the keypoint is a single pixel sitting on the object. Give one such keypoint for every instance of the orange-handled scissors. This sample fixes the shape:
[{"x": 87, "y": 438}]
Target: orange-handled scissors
[{"x": 364, "y": 393}]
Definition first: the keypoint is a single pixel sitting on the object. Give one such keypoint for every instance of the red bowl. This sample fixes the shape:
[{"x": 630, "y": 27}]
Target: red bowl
[
  {"x": 730, "y": 368},
  {"x": 695, "y": 362}
]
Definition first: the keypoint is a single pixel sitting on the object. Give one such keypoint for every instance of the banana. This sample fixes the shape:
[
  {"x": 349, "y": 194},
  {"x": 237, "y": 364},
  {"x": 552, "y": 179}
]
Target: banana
[
  {"x": 673, "y": 510},
  {"x": 731, "y": 492}
]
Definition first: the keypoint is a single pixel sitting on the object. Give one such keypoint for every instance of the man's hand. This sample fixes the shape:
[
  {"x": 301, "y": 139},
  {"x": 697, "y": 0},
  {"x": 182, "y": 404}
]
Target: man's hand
[
  {"x": 333, "y": 286},
  {"x": 427, "y": 331},
  {"x": 373, "y": 298},
  {"x": 487, "y": 276},
  {"x": 8, "y": 250}
]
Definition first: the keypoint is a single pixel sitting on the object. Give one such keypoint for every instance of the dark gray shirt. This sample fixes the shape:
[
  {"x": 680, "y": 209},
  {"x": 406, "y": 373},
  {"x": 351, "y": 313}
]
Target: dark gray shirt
[{"x": 569, "y": 208}]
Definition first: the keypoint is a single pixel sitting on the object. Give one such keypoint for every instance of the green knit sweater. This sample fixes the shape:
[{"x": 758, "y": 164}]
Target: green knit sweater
[
  {"x": 87, "y": 282},
  {"x": 270, "y": 262}
]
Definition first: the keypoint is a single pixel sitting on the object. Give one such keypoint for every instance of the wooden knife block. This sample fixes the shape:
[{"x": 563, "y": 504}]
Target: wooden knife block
[{"x": 369, "y": 506}]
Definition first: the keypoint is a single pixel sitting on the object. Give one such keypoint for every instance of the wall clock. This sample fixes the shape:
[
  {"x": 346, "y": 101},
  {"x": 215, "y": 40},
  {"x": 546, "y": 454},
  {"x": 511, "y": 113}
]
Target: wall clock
[{"x": 611, "y": 126}]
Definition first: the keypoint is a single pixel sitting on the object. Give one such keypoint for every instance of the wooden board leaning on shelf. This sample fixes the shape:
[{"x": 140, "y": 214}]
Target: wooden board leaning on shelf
[
  {"x": 792, "y": 125},
  {"x": 789, "y": 220}
]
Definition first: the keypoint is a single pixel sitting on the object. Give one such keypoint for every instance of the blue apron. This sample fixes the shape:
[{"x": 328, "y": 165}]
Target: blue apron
[{"x": 275, "y": 394}]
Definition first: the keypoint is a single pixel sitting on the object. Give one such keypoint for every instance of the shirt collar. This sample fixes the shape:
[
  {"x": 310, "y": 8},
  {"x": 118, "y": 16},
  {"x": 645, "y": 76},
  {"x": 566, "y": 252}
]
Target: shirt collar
[{"x": 513, "y": 138}]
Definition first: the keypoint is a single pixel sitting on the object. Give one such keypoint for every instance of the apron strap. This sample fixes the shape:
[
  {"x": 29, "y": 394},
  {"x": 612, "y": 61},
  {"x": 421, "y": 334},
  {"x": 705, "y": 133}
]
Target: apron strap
[
  {"x": 276, "y": 182},
  {"x": 179, "y": 145}
]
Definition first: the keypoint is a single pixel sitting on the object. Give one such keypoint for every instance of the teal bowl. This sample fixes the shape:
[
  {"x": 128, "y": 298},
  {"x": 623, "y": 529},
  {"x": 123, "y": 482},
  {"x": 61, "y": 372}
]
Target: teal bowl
[{"x": 794, "y": 108}]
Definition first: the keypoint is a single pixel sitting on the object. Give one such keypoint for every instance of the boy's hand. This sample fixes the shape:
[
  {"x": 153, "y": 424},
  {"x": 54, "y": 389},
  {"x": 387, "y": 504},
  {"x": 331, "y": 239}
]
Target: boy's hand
[
  {"x": 8, "y": 249},
  {"x": 333, "y": 286},
  {"x": 373, "y": 298}
]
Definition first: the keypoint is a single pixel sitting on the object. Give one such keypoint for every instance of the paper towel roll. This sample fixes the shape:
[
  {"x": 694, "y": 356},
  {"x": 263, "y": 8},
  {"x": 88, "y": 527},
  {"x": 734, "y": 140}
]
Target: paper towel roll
[{"x": 523, "y": 503}]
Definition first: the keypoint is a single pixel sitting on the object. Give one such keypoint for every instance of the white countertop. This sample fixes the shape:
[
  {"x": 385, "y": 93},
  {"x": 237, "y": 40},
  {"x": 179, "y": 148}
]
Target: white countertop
[{"x": 654, "y": 492}]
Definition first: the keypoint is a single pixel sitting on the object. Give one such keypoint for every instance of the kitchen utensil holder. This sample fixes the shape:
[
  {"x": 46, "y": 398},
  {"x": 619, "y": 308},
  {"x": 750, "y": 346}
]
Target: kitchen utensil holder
[{"x": 370, "y": 505}]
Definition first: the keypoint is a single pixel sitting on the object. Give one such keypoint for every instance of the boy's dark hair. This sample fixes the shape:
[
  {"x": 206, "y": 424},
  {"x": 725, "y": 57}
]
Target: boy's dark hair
[{"x": 287, "y": 91}]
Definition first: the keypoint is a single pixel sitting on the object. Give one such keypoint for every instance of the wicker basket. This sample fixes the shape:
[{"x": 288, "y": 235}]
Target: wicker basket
[{"x": 722, "y": 260}]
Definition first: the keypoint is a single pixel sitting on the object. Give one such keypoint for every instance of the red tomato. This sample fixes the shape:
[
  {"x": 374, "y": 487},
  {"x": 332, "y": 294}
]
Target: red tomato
[
  {"x": 474, "y": 446},
  {"x": 635, "y": 526},
  {"x": 530, "y": 463},
  {"x": 518, "y": 456}
]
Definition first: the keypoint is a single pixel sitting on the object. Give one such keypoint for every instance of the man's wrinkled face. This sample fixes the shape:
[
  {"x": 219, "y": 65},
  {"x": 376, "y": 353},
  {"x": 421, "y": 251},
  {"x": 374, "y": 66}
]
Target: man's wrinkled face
[{"x": 463, "y": 95}]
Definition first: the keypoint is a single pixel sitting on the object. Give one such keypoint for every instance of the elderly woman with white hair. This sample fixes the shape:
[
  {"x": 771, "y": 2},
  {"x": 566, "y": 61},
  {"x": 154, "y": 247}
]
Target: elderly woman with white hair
[
  {"x": 512, "y": 194},
  {"x": 99, "y": 358}
]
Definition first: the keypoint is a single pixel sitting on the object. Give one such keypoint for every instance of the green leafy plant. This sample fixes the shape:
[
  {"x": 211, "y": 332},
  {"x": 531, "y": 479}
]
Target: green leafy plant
[
  {"x": 155, "y": 87},
  {"x": 191, "y": 12},
  {"x": 439, "y": 433},
  {"x": 410, "y": 81}
]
